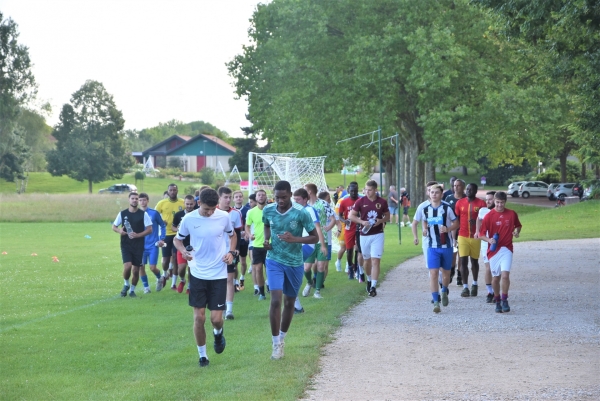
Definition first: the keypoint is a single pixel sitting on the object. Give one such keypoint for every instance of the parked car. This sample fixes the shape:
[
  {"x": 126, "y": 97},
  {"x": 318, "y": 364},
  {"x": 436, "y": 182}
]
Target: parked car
[
  {"x": 587, "y": 193},
  {"x": 119, "y": 189},
  {"x": 550, "y": 192},
  {"x": 578, "y": 190},
  {"x": 564, "y": 190},
  {"x": 533, "y": 188},
  {"x": 513, "y": 189}
]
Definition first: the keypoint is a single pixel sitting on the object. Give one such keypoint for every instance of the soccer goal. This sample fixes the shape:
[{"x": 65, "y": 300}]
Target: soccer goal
[{"x": 265, "y": 169}]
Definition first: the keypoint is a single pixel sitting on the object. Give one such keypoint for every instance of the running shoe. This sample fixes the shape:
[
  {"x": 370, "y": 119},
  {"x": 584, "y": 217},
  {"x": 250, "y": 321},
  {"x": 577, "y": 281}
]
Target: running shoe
[
  {"x": 361, "y": 278},
  {"x": 372, "y": 292},
  {"x": 242, "y": 285},
  {"x": 473, "y": 290},
  {"x": 229, "y": 316},
  {"x": 306, "y": 291},
  {"x": 436, "y": 307},
  {"x": 180, "y": 286},
  {"x": 338, "y": 265},
  {"x": 174, "y": 288},
  {"x": 444, "y": 298},
  {"x": 203, "y": 362},
  {"x": 256, "y": 292},
  {"x": 498, "y": 307},
  {"x": 465, "y": 293},
  {"x": 368, "y": 287},
  {"x": 236, "y": 288},
  {"x": 219, "y": 344},
  {"x": 505, "y": 307},
  {"x": 277, "y": 351},
  {"x": 124, "y": 290},
  {"x": 132, "y": 295},
  {"x": 159, "y": 284},
  {"x": 147, "y": 290},
  {"x": 459, "y": 279},
  {"x": 262, "y": 297},
  {"x": 318, "y": 295},
  {"x": 298, "y": 311},
  {"x": 408, "y": 224},
  {"x": 490, "y": 298}
]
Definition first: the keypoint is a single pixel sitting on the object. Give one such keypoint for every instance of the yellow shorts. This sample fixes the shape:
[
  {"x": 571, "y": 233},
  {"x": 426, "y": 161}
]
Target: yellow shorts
[
  {"x": 341, "y": 234},
  {"x": 469, "y": 247}
]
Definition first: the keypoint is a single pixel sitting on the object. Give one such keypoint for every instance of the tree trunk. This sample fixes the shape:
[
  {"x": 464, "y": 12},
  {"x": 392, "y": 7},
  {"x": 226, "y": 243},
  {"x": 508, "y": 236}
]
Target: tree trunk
[
  {"x": 429, "y": 171},
  {"x": 90, "y": 186},
  {"x": 464, "y": 170},
  {"x": 563, "y": 166},
  {"x": 402, "y": 173}
]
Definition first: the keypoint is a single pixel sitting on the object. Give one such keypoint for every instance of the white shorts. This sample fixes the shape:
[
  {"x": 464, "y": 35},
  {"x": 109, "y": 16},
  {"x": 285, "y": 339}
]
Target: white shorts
[
  {"x": 483, "y": 252},
  {"x": 501, "y": 261},
  {"x": 372, "y": 246}
]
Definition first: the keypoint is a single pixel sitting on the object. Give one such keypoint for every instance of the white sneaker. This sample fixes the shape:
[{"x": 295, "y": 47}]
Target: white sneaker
[
  {"x": 407, "y": 224},
  {"x": 249, "y": 269},
  {"x": 401, "y": 224},
  {"x": 306, "y": 291},
  {"x": 147, "y": 290},
  {"x": 160, "y": 283},
  {"x": 347, "y": 267},
  {"x": 338, "y": 266},
  {"x": 318, "y": 295},
  {"x": 277, "y": 351}
]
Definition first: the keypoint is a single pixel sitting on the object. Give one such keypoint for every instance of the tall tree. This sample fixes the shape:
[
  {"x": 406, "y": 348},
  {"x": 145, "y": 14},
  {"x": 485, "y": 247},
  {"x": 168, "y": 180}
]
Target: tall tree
[
  {"x": 37, "y": 135},
  {"x": 17, "y": 87},
  {"x": 90, "y": 144}
]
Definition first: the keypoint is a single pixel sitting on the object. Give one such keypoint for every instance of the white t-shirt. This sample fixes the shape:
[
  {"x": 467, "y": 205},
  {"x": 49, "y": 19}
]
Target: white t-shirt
[{"x": 209, "y": 236}]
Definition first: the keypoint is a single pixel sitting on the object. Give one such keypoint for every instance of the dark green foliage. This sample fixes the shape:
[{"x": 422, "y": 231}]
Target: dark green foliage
[
  {"x": 90, "y": 143},
  {"x": 500, "y": 175},
  {"x": 175, "y": 162},
  {"x": 207, "y": 175},
  {"x": 549, "y": 177}
]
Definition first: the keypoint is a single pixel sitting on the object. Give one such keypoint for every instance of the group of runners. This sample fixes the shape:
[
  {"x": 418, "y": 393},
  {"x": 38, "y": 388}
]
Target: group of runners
[{"x": 204, "y": 239}]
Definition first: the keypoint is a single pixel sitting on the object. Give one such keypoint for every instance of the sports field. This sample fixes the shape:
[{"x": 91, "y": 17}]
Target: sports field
[{"x": 67, "y": 334}]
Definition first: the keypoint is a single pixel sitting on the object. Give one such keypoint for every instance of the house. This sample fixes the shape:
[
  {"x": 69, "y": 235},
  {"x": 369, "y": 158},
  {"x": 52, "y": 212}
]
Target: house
[{"x": 195, "y": 153}]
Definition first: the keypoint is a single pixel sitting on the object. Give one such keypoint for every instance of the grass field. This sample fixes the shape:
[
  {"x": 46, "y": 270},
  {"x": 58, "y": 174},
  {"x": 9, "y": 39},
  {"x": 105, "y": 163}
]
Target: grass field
[{"x": 67, "y": 334}]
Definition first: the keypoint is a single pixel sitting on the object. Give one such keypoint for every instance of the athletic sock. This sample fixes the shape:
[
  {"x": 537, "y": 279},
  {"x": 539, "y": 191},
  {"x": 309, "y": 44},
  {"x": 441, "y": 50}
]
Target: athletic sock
[
  {"x": 255, "y": 286},
  {"x": 132, "y": 288},
  {"x": 504, "y": 297},
  {"x": 465, "y": 285},
  {"x": 217, "y": 332},
  {"x": 435, "y": 296},
  {"x": 229, "y": 307},
  {"x": 360, "y": 269},
  {"x": 157, "y": 275},
  {"x": 308, "y": 277},
  {"x": 373, "y": 283},
  {"x": 282, "y": 335},
  {"x": 369, "y": 277},
  {"x": 320, "y": 279},
  {"x": 126, "y": 282},
  {"x": 242, "y": 277},
  {"x": 474, "y": 282},
  {"x": 145, "y": 281},
  {"x": 276, "y": 340},
  {"x": 490, "y": 290},
  {"x": 173, "y": 280},
  {"x": 444, "y": 289},
  {"x": 202, "y": 350},
  {"x": 261, "y": 290},
  {"x": 237, "y": 282},
  {"x": 297, "y": 304}
]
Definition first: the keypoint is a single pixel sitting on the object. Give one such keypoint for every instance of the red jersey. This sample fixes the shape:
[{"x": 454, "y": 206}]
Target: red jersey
[
  {"x": 368, "y": 209},
  {"x": 502, "y": 223},
  {"x": 467, "y": 213},
  {"x": 346, "y": 205}
]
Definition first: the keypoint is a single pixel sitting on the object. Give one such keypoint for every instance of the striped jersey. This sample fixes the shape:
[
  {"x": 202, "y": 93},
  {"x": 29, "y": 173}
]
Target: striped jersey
[{"x": 436, "y": 217}]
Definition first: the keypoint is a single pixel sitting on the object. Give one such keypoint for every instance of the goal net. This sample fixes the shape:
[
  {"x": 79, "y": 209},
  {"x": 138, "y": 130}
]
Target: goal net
[{"x": 265, "y": 169}]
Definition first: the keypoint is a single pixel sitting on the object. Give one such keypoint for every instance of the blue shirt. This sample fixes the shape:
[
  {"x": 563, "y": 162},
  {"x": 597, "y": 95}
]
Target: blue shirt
[{"x": 157, "y": 222}]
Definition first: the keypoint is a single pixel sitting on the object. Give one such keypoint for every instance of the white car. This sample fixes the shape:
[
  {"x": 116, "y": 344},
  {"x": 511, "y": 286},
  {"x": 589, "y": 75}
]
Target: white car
[
  {"x": 533, "y": 188},
  {"x": 513, "y": 189}
]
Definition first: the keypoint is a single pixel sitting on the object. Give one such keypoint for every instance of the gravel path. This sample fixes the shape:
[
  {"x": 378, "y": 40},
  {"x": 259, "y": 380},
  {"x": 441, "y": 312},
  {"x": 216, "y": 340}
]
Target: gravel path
[{"x": 547, "y": 348}]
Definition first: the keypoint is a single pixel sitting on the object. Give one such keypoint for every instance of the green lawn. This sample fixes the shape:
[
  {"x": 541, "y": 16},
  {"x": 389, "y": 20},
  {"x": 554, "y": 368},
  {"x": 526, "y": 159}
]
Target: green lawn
[{"x": 67, "y": 334}]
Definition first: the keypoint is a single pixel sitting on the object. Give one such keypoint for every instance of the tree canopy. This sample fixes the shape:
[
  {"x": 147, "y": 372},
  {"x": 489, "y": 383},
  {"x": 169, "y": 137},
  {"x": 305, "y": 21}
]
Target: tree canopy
[{"x": 89, "y": 136}]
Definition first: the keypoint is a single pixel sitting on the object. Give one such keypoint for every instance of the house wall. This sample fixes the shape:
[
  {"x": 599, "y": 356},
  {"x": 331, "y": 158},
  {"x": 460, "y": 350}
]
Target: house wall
[{"x": 211, "y": 161}]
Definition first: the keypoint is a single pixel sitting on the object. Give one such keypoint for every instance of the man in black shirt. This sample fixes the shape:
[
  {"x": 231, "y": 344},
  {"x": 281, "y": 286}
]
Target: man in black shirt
[{"x": 132, "y": 224}]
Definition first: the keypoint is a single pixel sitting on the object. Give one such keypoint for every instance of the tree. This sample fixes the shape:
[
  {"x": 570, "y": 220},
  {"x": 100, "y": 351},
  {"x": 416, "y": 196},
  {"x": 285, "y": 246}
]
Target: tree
[
  {"x": 90, "y": 144},
  {"x": 17, "y": 87},
  {"x": 37, "y": 135}
]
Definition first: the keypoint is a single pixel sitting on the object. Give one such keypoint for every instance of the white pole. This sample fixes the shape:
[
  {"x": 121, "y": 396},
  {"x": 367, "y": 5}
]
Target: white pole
[{"x": 250, "y": 173}]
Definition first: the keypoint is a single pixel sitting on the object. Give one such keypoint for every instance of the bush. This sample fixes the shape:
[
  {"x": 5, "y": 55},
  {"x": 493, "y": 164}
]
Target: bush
[
  {"x": 503, "y": 174},
  {"x": 573, "y": 170},
  {"x": 207, "y": 175},
  {"x": 175, "y": 163},
  {"x": 191, "y": 174},
  {"x": 549, "y": 177},
  {"x": 191, "y": 189}
]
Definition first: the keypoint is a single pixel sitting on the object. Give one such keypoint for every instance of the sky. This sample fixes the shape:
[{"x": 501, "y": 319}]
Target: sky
[{"x": 161, "y": 60}]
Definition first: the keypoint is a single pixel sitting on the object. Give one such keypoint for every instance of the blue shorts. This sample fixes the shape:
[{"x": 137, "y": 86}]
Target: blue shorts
[
  {"x": 393, "y": 210},
  {"x": 286, "y": 278},
  {"x": 439, "y": 257},
  {"x": 150, "y": 256}
]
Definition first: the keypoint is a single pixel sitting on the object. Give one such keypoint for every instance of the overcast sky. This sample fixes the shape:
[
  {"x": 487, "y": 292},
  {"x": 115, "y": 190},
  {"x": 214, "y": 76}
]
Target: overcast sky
[{"x": 161, "y": 60}]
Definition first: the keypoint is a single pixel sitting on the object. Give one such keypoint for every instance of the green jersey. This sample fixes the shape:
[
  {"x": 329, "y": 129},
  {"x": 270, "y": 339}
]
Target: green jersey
[
  {"x": 319, "y": 207},
  {"x": 254, "y": 219},
  {"x": 294, "y": 220}
]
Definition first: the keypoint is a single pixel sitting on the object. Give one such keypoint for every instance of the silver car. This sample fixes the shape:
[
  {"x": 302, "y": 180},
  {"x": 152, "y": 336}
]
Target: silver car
[
  {"x": 550, "y": 192},
  {"x": 513, "y": 189},
  {"x": 563, "y": 190},
  {"x": 533, "y": 188}
]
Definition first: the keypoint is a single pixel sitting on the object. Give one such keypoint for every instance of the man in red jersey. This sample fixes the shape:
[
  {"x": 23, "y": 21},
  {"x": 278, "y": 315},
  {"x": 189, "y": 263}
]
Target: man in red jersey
[
  {"x": 506, "y": 224},
  {"x": 372, "y": 212},
  {"x": 345, "y": 207},
  {"x": 467, "y": 209}
]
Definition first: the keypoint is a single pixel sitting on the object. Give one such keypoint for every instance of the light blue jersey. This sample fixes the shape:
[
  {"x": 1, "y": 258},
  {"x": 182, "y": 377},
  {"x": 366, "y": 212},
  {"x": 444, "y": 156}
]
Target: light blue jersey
[{"x": 157, "y": 222}]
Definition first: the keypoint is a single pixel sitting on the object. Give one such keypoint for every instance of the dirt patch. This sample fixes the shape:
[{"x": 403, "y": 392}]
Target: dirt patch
[{"x": 548, "y": 347}]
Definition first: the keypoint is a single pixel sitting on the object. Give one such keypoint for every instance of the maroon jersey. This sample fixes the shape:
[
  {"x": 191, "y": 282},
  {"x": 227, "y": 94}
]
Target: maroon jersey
[
  {"x": 368, "y": 209},
  {"x": 502, "y": 223}
]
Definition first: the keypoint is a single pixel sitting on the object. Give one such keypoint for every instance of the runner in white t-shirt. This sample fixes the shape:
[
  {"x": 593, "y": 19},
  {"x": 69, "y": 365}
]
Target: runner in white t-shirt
[{"x": 489, "y": 200}]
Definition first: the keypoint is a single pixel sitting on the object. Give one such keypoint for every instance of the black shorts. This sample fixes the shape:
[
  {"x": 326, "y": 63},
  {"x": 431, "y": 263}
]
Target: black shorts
[
  {"x": 132, "y": 255},
  {"x": 170, "y": 249},
  {"x": 243, "y": 248},
  {"x": 259, "y": 256},
  {"x": 209, "y": 294},
  {"x": 232, "y": 268}
]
